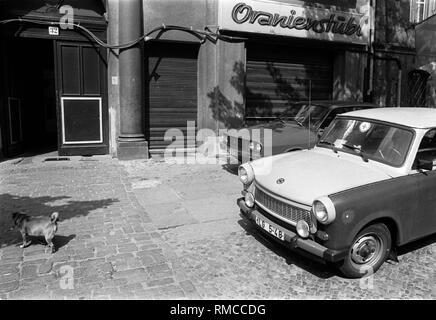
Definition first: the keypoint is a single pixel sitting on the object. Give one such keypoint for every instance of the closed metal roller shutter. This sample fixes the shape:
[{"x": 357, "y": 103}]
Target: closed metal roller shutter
[
  {"x": 172, "y": 90},
  {"x": 279, "y": 75}
]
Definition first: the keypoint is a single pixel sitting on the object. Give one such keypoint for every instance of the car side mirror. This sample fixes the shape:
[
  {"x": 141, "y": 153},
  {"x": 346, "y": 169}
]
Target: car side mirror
[{"x": 424, "y": 164}]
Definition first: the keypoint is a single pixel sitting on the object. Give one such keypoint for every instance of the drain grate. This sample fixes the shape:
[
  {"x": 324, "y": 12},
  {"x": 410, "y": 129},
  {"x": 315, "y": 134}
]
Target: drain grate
[{"x": 57, "y": 159}]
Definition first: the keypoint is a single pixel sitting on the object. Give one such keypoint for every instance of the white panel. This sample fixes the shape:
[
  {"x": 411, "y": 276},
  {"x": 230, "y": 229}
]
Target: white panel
[{"x": 63, "y": 120}]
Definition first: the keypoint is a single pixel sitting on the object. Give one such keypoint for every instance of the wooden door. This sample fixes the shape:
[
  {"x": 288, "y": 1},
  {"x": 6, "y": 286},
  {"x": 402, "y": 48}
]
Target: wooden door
[{"x": 82, "y": 99}]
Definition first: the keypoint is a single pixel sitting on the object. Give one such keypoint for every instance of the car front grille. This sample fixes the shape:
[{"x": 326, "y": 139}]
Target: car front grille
[{"x": 287, "y": 211}]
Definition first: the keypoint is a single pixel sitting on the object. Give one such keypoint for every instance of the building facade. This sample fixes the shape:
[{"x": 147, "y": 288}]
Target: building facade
[
  {"x": 426, "y": 59},
  {"x": 214, "y": 64}
]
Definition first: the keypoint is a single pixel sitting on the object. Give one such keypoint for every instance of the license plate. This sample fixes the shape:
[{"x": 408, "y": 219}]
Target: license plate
[{"x": 270, "y": 229}]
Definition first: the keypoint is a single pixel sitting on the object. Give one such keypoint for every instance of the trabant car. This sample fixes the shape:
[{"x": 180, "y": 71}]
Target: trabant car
[
  {"x": 297, "y": 128},
  {"x": 366, "y": 188}
]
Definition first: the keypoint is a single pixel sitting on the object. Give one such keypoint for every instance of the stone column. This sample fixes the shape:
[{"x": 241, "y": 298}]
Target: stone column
[{"x": 131, "y": 140}]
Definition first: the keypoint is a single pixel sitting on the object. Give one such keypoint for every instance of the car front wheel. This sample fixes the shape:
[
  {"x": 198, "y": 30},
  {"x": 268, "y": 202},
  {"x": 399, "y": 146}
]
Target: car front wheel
[{"x": 369, "y": 250}]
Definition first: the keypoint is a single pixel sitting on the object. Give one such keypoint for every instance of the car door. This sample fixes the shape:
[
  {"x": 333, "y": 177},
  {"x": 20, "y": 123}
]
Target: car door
[{"x": 424, "y": 220}]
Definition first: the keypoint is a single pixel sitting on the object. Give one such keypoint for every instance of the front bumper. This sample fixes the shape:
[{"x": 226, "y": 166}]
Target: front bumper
[{"x": 292, "y": 240}]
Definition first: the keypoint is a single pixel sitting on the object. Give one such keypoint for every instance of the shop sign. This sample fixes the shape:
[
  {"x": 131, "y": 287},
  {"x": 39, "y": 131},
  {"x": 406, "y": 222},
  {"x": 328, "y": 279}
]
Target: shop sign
[{"x": 283, "y": 19}]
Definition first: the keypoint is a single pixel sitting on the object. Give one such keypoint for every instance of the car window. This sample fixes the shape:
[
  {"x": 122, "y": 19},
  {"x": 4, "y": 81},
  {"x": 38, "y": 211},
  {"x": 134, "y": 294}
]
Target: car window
[
  {"x": 332, "y": 115},
  {"x": 376, "y": 141},
  {"x": 427, "y": 147},
  {"x": 308, "y": 115}
]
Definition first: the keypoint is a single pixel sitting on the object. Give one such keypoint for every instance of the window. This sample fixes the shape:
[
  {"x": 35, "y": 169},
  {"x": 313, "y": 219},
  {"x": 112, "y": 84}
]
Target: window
[
  {"x": 380, "y": 142},
  {"x": 335, "y": 112},
  {"x": 306, "y": 115},
  {"x": 332, "y": 115},
  {"x": 421, "y": 9},
  {"x": 427, "y": 148}
]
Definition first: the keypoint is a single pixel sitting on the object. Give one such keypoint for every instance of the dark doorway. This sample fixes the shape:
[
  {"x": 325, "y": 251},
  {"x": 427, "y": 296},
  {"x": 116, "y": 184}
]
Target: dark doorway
[{"x": 31, "y": 97}]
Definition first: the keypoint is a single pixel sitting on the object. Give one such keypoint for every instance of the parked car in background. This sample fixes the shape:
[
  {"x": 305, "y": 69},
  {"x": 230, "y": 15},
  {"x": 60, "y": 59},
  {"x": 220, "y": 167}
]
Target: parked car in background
[
  {"x": 297, "y": 128},
  {"x": 367, "y": 187}
]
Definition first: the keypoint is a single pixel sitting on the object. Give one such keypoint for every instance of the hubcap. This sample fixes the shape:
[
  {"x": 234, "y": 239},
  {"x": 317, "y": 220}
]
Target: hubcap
[{"x": 366, "y": 250}]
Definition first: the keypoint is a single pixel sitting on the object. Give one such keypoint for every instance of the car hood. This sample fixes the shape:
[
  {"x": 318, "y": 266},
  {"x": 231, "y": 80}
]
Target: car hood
[
  {"x": 279, "y": 127},
  {"x": 310, "y": 174},
  {"x": 286, "y": 135}
]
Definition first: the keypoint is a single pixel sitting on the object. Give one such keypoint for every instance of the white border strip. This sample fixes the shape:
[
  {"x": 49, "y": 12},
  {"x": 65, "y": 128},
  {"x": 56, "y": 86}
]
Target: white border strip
[
  {"x": 10, "y": 120},
  {"x": 63, "y": 120}
]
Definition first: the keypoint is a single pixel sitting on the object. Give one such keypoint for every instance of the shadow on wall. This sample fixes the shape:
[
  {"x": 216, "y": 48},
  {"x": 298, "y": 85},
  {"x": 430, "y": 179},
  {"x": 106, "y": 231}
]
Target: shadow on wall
[
  {"x": 284, "y": 89},
  {"x": 42, "y": 206},
  {"x": 232, "y": 113},
  {"x": 393, "y": 25}
]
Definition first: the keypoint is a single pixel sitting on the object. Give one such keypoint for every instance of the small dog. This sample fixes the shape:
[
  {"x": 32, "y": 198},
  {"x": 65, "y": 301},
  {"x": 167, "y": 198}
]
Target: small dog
[{"x": 37, "y": 226}]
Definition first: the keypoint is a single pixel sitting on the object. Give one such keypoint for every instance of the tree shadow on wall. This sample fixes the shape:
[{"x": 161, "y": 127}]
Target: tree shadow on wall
[
  {"x": 44, "y": 205},
  {"x": 283, "y": 89},
  {"x": 233, "y": 113}
]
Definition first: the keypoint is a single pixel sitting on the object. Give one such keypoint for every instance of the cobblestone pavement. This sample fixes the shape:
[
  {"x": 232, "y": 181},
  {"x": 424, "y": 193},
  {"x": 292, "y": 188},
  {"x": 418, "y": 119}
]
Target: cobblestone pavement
[
  {"x": 153, "y": 230},
  {"x": 223, "y": 256}
]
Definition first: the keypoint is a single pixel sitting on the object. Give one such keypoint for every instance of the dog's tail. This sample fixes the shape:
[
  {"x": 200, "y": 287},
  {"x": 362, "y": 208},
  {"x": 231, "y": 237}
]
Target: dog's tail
[{"x": 54, "y": 217}]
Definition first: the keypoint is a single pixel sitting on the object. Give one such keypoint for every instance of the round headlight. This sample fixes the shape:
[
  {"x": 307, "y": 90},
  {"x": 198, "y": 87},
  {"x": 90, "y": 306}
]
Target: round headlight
[
  {"x": 246, "y": 174},
  {"x": 243, "y": 174},
  {"x": 324, "y": 210},
  {"x": 249, "y": 199},
  {"x": 303, "y": 229},
  {"x": 320, "y": 211}
]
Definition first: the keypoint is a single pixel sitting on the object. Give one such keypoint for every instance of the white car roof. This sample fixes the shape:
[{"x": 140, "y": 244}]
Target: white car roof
[{"x": 411, "y": 117}]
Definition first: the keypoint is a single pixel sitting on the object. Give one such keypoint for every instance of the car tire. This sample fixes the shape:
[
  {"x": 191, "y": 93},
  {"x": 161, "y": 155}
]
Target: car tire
[{"x": 369, "y": 250}]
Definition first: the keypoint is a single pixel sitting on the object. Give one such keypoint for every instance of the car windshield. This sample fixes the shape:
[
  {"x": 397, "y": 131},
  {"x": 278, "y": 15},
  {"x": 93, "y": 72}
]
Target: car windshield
[
  {"x": 371, "y": 140},
  {"x": 305, "y": 115}
]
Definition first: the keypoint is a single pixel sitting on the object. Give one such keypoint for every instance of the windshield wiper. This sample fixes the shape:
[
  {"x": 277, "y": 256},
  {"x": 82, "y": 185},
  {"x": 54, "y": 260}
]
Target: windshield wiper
[
  {"x": 359, "y": 149},
  {"x": 329, "y": 144}
]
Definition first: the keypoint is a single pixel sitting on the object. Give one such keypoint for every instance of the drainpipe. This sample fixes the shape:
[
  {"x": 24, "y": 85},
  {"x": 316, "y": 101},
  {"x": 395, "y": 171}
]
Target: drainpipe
[
  {"x": 400, "y": 71},
  {"x": 131, "y": 140},
  {"x": 370, "y": 61}
]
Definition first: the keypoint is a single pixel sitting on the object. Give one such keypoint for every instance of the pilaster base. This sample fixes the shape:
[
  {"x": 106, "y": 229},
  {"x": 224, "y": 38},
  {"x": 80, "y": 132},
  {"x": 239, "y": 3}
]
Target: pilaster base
[{"x": 132, "y": 150}]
